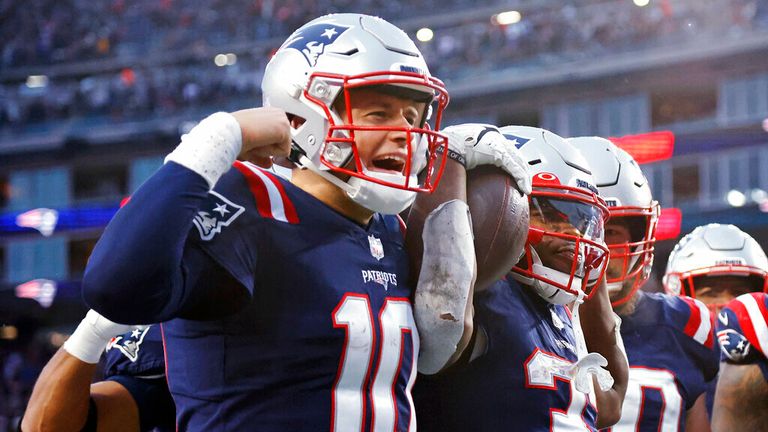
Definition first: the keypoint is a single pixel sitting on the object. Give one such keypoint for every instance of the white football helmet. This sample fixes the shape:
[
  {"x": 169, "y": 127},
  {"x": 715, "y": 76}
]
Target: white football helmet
[
  {"x": 317, "y": 66},
  {"x": 715, "y": 250},
  {"x": 566, "y": 219},
  {"x": 625, "y": 190}
]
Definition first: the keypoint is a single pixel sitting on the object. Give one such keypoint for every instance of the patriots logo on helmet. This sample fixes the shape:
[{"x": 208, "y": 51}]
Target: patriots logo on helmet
[
  {"x": 129, "y": 343},
  {"x": 733, "y": 344},
  {"x": 215, "y": 215},
  {"x": 312, "y": 40},
  {"x": 516, "y": 140}
]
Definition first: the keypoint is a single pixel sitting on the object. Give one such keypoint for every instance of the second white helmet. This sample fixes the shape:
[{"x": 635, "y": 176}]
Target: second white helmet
[
  {"x": 715, "y": 250},
  {"x": 565, "y": 255},
  {"x": 625, "y": 190}
]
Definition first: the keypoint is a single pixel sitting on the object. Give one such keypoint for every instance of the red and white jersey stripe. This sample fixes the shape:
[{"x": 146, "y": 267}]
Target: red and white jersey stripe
[
  {"x": 699, "y": 325},
  {"x": 271, "y": 200}
]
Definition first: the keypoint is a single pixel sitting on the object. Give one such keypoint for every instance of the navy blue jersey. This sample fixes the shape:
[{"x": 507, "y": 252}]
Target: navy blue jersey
[
  {"x": 668, "y": 340},
  {"x": 742, "y": 333},
  {"x": 520, "y": 382},
  {"x": 326, "y": 340},
  {"x": 136, "y": 361}
]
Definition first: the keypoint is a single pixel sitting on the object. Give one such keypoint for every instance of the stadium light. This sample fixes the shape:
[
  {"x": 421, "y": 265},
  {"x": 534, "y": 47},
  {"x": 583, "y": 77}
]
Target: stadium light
[
  {"x": 425, "y": 34},
  {"x": 669, "y": 224},
  {"x": 647, "y": 147},
  {"x": 758, "y": 195},
  {"x": 736, "y": 198},
  {"x": 507, "y": 18},
  {"x": 231, "y": 59},
  {"x": 220, "y": 60},
  {"x": 8, "y": 332},
  {"x": 37, "y": 81},
  {"x": 641, "y": 3}
]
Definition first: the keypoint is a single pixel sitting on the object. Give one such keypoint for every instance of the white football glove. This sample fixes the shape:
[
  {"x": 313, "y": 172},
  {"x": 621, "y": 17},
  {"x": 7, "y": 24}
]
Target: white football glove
[
  {"x": 92, "y": 335},
  {"x": 483, "y": 144}
]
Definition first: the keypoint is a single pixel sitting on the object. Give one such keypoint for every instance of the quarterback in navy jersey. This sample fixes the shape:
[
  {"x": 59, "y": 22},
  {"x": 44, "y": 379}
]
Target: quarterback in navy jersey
[
  {"x": 287, "y": 304},
  {"x": 527, "y": 367},
  {"x": 742, "y": 334},
  {"x": 668, "y": 339}
]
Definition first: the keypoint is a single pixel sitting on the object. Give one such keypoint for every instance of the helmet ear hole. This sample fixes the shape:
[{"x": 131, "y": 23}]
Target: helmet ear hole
[{"x": 296, "y": 121}]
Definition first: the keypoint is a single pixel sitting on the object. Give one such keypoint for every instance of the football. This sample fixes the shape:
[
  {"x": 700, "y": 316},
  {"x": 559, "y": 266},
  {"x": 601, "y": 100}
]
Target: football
[{"x": 499, "y": 221}]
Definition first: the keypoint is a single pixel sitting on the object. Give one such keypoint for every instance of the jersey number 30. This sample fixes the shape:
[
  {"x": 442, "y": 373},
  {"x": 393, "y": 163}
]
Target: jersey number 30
[
  {"x": 636, "y": 407},
  {"x": 352, "y": 386}
]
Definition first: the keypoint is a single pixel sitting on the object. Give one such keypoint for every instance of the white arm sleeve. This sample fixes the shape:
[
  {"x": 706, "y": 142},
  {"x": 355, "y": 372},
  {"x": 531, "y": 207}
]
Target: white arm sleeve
[{"x": 445, "y": 280}]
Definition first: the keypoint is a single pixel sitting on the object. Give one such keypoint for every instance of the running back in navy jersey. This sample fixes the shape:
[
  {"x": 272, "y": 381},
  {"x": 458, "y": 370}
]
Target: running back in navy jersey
[
  {"x": 136, "y": 361},
  {"x": 327, "y": 341},
  {"x": 519, "y": 382},
  {"x": 669, "y": 344}
]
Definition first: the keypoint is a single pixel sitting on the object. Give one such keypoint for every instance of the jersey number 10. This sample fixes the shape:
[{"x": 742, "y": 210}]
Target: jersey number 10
[{"x": 352, "y": 387}]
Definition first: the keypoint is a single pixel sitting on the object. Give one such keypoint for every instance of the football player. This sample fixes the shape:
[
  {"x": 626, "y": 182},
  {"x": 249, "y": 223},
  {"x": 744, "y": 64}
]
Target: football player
[
  {"x": 527, "y": 366},
  {"x": 742, "y": 388},
  {"x": 716, "y": 263},
  {"x": 133, "y": 395},
  {"x": 288, "y": 302},
  {"x": 668, "y": 338}
]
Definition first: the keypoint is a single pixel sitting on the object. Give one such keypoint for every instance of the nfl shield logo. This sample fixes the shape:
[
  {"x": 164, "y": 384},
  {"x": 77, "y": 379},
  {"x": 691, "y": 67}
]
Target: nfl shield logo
[{"x": 377, "y": 249}]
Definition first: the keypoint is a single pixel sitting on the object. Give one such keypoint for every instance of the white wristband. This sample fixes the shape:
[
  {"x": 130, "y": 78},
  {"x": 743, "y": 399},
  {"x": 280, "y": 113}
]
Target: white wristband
[
  {"x": 211, "y": 147},
  {"x": 92, "y": 335},
  {"x": 87, "y": 343}
]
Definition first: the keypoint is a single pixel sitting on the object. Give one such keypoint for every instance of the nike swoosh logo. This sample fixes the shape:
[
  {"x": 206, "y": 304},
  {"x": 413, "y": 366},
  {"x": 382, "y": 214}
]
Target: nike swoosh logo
[{"x": 723, "y": 318}]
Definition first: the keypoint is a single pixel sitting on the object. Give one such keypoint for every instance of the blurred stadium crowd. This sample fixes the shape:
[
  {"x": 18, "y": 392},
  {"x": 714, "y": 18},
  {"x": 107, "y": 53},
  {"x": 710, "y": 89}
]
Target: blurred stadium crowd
[{"x": 156, "y": 58}]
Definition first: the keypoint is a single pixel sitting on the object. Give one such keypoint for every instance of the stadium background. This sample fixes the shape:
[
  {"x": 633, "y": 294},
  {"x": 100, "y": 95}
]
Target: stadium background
[{"x": 94, "y": 93}]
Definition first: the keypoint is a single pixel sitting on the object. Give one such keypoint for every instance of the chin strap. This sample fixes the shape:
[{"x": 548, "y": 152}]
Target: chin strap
[{"x": 588, "y": 364}]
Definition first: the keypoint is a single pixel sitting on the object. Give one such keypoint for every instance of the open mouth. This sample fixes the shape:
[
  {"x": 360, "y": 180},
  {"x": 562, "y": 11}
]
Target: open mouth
[
  {"x": 393, "y": 163},
  {"x": 567, "y": 252},
  {"x": 563, "y": 259}
]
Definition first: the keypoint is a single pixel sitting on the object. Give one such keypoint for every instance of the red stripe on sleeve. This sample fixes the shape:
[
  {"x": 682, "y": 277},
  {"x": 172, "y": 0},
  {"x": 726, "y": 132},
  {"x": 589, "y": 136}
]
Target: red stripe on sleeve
[
  {"x": 747, "y": 329},
  {"x": 258, "y": 189},
  {"x": 290, "y": 210},
  {"x": 694, "y": 321},
  {"x": 709, "y": 343}
]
